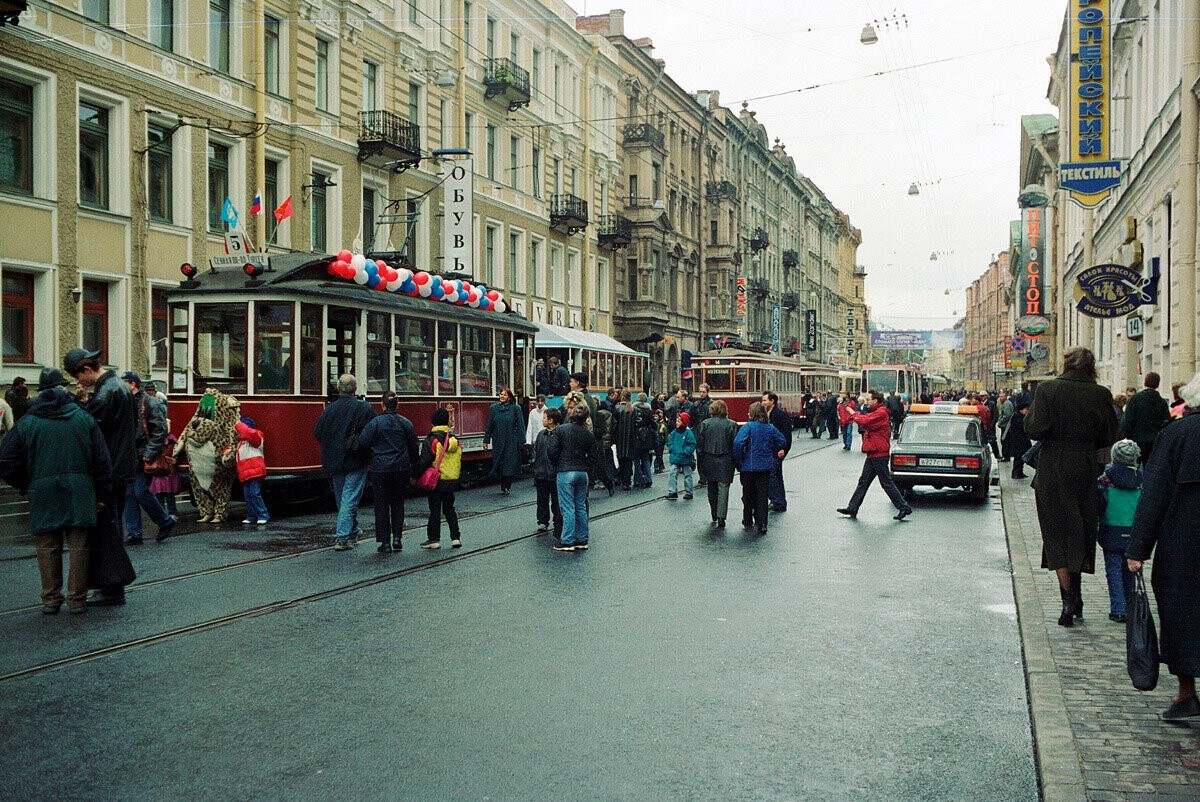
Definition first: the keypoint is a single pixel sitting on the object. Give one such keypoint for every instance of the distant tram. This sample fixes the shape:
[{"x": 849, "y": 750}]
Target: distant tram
[
  {"x": 902, "y": 379},
  {"x": 740, "y": 377},
  {"x": 280, "y": 343}
]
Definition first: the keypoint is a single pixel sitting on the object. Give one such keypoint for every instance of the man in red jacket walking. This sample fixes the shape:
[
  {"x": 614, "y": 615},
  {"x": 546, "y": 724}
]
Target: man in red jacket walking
[{"x": 876, "y": 427}]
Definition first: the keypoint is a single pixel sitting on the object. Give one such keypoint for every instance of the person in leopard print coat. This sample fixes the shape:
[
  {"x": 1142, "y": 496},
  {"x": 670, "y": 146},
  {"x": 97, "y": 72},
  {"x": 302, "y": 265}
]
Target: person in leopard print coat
[{"x": 208, "y": 439}]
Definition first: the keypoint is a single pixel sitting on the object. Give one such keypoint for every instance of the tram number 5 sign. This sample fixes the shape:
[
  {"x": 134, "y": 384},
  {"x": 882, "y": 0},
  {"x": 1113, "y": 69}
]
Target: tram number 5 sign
[{"x": 458, "y": 220}]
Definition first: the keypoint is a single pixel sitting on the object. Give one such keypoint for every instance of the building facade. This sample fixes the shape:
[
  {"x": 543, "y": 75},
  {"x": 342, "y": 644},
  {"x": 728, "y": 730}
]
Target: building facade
[{"x": 987, "y": 324}]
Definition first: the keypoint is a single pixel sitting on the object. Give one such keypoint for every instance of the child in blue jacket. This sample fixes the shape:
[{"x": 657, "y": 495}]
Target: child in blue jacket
[
  {"x": 1120, "y": 487},
  {"x": 682, "y": 448}
]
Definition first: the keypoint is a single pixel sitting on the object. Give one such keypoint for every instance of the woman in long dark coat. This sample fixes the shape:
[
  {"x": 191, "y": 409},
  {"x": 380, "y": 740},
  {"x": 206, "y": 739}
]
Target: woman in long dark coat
[
  {"x": 506, "y": 432},
  {"x": 1166, "y": 524},
  {"x": 1072, "y": 417},
  {"x": 1016, "y": 440},
  {"x": 625, "y": 424}
]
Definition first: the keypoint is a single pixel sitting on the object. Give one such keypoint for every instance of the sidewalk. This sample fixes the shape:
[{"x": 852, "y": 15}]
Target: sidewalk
[{"x": 1096, "y": 738}]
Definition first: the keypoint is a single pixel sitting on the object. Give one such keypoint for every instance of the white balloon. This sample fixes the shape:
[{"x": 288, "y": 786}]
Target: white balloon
[
  {"x": 392, "y": 286},
  {"x": 500, "y": 306},
  {"x": 360, "y": 276},
  {"x": 475, "y": 303},
  {"x": 358, "y": 262},
  {"x": 425, "y": 289},
  {"x": 405, "y": 274}
]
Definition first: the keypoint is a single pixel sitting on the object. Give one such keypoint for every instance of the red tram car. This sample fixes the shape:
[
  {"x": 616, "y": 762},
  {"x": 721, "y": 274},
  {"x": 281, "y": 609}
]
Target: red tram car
[
  {"x": 739, "y": 378},
  {"x": 279, "y": 344}
]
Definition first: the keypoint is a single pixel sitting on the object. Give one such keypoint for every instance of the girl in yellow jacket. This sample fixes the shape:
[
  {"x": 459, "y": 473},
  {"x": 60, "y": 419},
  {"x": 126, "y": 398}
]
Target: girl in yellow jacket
[{"x": 441, "y": 443}]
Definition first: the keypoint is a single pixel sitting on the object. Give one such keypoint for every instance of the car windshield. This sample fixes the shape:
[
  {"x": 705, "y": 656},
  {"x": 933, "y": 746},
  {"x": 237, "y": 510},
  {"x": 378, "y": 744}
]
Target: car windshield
[{"x": 940, "y": 430}]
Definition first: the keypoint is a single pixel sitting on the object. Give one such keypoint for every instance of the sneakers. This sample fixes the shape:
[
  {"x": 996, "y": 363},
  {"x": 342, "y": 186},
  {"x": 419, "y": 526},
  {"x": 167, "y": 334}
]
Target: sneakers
[
  {"x": 1117, "y": 617},
  {"x": 456, "y": 543},
  {"x": 262, "y": 521},
  {"x": 581, "y": 546},
  {"x": 543, "y": 527},
  {"x": 564, "y": 547},
  {"x": 431, "y": 544},
  {"x": 848, "y": 511},
  {"x": 397, "y": 545},
  {"x": 165, "y": 530},
  {"x": 50, "y": 609},
  {"x": 688, "y": 496},
  {"x": 672, "y": 496},
  {"x": 98, "y": 599},
  {"x": 80, "y": 610},
  {"x": 904, "y": 513},
  {"x": 341, "y": 544},
  {"x": 246, "y": 522}
]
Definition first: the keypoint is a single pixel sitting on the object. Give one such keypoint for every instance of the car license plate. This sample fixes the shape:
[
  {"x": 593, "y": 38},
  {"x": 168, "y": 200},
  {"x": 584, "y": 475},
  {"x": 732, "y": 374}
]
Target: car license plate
[{"x": 936, "y": 462}]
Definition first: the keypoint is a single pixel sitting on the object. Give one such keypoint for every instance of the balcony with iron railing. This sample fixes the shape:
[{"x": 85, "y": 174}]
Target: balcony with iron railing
[
  {"x": 615, "y": 231},
  {"x": 568, "y": 213},
  {"x": 791, "y": 258},
  {"x": 389, "y": 137},
  {"x": 759, "y": 286},
  {"x": 643, "y": 134},
  {"x": 504, "y": 79},
  {"x": 790, "y": 300},
  {"x": 759, "y": 240},
  {"x": 721, "y": 190}
]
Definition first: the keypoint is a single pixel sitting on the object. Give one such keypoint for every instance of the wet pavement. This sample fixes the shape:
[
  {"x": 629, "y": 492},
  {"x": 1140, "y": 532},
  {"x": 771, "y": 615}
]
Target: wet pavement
[{"x": 830, "y": 659}]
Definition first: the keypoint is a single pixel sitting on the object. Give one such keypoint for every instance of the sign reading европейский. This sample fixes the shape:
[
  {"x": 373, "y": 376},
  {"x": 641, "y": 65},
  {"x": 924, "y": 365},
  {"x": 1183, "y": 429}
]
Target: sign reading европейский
[{"x": 1089, "y": 174}]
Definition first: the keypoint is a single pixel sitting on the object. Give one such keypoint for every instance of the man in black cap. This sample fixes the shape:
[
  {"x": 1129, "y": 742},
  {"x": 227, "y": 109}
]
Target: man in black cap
[
  {"x": 112, "y": 406},
  {"x": 57, "y": 455},
  {"x": 150, "y": 437},
  {"x": 559, "y": 378}
]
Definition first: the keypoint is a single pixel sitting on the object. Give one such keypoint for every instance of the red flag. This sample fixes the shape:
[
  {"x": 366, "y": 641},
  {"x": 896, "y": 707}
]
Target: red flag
[{"x": 284, "y": 211}]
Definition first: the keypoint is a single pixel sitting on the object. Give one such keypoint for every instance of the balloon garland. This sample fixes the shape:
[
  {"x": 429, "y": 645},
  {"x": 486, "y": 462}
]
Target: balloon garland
[{"x": 379, "y": 275}]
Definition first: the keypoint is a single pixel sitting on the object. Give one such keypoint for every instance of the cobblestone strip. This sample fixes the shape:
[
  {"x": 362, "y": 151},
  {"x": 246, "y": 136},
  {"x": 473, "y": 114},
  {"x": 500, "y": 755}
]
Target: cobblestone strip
[{"x": 1096, "y": 737}]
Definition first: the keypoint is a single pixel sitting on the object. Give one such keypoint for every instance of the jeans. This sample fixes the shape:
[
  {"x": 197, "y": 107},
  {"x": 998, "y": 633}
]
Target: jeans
[
  {"x": 1120, "y": 580},
  {"x": 547, "y": 502},
  {"x": 643, "y": 472},
  {"x": 776, "y": 492},
  {"x": 388, "y": 489},
  {"x": 718, "y": 499},
  {"x": 256, "y": 508},
  {"x": 347, "y": 492},
  {"x": 137, "y": 498},
  {"x": 673, "y": 482},
  {"x": 755, "y": 489},
  {"x": 876, "y": 467},
  {"x": 441, "y": 502},
  {"x": 848, "y": 435},
  {"x": 572, "y": 497}
]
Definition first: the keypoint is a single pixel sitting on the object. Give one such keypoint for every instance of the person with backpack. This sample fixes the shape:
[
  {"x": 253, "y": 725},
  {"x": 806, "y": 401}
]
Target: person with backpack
[
  {"x": 251, "y": 470},
  {"x": 441, "y": 450},
  {"x": 1119, "y": 489},
  {"x": 392, "y": 443}
]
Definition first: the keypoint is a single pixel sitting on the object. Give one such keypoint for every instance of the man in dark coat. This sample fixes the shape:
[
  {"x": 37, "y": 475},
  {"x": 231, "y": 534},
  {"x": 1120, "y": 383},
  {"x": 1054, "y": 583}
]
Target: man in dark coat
[
  {"x": 505, "y": 432},
  {"x": 830, "y": 407},
  {"x": 1146, "y": 413},
  {"x": 392, "y": 442},
  {"x": 701, "y": 411},
  {"x": 559, "y": 378},
  {"x": 337, "y": 430},
  {"x": 150, "y": 438},
  {"x": 111, "y": 405},
  {"x": 1072, "y": 417},
  {"x": 781, "y": 420},
  {"x": 57, "y": 455},
  {"x": 896, "y": 411},
  {"x": 541, "y": 379},
  {"x": 1165, "y": 526},
  {"x": 18, "y": 397},
  {"x": 629, "y": 421}
]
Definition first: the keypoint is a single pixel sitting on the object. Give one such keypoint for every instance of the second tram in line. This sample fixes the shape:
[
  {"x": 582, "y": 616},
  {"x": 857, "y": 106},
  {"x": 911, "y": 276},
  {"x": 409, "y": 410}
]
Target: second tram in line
[{"x": 739, "y": 378}]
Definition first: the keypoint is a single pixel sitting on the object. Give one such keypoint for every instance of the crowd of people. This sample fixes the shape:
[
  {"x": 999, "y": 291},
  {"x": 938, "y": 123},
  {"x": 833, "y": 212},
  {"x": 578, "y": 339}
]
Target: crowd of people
[{"x": 93, "y": 452}]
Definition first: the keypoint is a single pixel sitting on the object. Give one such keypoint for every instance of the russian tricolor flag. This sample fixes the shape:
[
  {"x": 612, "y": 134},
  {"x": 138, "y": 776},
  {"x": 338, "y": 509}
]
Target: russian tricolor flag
[{"x": 256, "y": 204}]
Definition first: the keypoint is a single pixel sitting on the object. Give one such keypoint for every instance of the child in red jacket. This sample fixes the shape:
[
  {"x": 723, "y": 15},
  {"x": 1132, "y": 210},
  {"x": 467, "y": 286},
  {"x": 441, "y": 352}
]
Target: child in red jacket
[{"x": 251, "y": 469}]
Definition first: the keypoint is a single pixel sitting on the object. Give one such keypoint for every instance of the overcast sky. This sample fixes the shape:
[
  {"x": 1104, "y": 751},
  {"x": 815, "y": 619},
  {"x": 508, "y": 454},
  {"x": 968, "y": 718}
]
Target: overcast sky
[{"x": 953, "y": 126}]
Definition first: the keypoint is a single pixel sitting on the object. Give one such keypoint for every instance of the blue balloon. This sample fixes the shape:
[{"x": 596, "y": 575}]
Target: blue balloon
[
  {"x": 408, "y": 285},
  {"x": 485, "y": 303},
  {"x": 437, "y": 292},
  {"x": 373, "y": 280},
  {"x": 463, "y": 296},
  {"x": 372, "y": 269}
]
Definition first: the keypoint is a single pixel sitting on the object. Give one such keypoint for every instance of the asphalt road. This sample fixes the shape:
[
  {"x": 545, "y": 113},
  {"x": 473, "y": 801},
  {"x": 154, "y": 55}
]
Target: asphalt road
[{"x": 832, "y": 659}]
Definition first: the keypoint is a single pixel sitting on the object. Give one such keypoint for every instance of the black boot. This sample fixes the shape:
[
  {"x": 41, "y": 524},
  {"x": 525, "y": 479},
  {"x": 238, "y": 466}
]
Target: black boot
[
  {"x": 1066, "y": 619},
  {"x": 1076, "y": 596}
]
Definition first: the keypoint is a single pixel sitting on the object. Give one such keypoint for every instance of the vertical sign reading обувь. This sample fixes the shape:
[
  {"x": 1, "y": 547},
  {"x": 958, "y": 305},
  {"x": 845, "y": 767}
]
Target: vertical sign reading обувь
[
  {"x": 458, "y": 217},
  {"x": 1088, "y": 175}
]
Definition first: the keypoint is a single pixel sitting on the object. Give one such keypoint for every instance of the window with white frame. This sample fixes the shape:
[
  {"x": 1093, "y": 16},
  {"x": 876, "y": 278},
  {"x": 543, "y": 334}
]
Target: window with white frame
[
  {"x": 319, "y": 205},
  {"x": 272, "y": 50},
  {"x": 574, "y": 277},
  {"x": 219, "y": 167},
  {"x": 490, "y": 235},
  {"x": 537, "y": 267},
  {"x": 491, "y": 151},
  {"x": 604, "y": 279},
  {"x": 414, "y": 103},
  {"x": 325, "y": 58},
  {"x": 16, "y": 136},
  {"x": 516, "y": 261},
  {"x": 162, "y": 23},
  {"x": 557, "y": 274},
  {"x": 219, "y": 20},
  {"x": 370, "y": 86},
  {"x": 514, "y": 161},
  {"x": 94, "y": 152},
  {"x": 160, "y": 173},
  {"x": 19, "y": 314}
]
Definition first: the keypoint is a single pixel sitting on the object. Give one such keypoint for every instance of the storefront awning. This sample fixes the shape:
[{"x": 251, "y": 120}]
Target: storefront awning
[{"x": 561, "y": 337}]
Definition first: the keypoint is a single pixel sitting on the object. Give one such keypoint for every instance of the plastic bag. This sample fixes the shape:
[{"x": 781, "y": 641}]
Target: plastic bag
[{"x": 1141, "y": 639}]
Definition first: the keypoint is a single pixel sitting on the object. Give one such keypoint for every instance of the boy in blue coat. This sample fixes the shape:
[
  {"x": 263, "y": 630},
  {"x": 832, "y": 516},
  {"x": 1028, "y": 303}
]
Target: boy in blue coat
[
  {"x": 682, "y": 449},
  {"x": 1119, "y": 487}
]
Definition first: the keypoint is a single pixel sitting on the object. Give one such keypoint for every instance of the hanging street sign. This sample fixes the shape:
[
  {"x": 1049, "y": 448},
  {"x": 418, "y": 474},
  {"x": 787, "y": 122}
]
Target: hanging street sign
[
  {"x": 1089, "y": 174},
  {"x": 1112, "y": 291}
]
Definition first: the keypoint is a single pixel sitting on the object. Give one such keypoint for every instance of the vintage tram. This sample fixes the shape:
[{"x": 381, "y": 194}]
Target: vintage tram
[
  {"x": 903, "y": 380},
  {"x": 740, "y": 377},
  {"x": 607, "y": 362},
  {"x": 279, "y": 341}
]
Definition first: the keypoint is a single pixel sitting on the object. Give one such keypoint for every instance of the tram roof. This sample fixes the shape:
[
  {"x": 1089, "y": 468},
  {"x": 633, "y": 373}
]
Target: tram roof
[
  {"x": 305, "y": 274},
  {"x": 773, "y": 359},
  {"x": 549, "y": 336}
]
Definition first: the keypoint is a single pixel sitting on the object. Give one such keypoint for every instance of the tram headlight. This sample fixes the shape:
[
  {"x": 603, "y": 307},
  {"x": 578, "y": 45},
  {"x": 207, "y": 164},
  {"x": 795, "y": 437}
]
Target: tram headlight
[
  {"x": 188, "y": 270},
  {"x": 252, "y": 270}
]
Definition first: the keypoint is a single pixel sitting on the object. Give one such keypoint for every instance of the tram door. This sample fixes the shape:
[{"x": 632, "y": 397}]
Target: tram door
[{"x": 341, "y": 334}]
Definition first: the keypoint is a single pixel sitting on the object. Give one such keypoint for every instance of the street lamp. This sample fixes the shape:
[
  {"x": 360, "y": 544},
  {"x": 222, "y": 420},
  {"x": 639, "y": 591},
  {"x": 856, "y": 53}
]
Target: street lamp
[{"x": 868, "y": 37}]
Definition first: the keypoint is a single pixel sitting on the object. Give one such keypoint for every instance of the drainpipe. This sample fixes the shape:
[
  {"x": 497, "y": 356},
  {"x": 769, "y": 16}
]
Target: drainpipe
[
  {"x": 260, "y": 118},
  {"x": 586, "y": 316},
  {"x": 460, "y": 64},
  {"x": 1183, "y": 272}
]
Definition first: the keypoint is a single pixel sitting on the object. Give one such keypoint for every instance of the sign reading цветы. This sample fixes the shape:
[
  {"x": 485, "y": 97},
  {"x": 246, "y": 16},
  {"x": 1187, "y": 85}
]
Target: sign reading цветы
[{"x": 458, "y": 217}]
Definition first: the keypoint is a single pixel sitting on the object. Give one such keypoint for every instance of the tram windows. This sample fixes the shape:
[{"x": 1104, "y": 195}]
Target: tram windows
[
  {"x": 476, "y": 361},
  {"x": 379, "y": 351},
  {"x": 414, "y": 357},
  {"x": 610, "y": 375},
  {"x": 503, "y": 357},
  {"x": 273, "y": 347},
  {"x": 310, "y": 349},
  {"x": 741, "y": 380},
  {"x": 339, "y": 343},
  {"x": 179, "y": 348},
  {"x": 447, "y": 359},
  {"x": 521, "y": 371},
  {"x": 718, "y": 380},
  {"x": 221, "y": 347},
  {"x": 593, "y": 368}
]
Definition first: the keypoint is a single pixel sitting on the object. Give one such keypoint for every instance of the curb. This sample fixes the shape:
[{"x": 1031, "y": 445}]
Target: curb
[{"x": 1060, "y": 775}]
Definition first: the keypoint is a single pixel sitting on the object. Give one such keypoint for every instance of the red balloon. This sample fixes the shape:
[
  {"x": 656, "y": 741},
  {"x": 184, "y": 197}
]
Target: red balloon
[
  {"x": 421, "y": 279},
  {"x": 380, "y": 264},
  {"x": 493, "y": 295},
  {"x": 345, "y": 255},
  {"x": 346, "y": 271},
  {"x": 331, "y": 268}
]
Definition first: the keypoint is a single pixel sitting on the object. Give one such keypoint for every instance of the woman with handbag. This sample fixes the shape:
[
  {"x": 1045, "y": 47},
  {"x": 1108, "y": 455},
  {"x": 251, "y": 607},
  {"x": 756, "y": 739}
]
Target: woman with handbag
[
  {"x": 1016, "y": 441},
  {"x": 441, "y": 459},
  {"x": 150, "y": 438},
  {"x": 1165, "y": 526}
]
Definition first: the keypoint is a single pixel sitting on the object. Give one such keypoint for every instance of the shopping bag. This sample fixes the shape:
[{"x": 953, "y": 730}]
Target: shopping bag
[
  {"x": 1141, "y": 640},
  {"x": 109, "y": 565},
  {"x": 1031, "y": 456}
]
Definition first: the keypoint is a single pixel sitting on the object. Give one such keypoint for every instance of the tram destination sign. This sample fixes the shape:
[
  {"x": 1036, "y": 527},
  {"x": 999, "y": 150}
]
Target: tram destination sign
[{"x": 236, "y": 261}]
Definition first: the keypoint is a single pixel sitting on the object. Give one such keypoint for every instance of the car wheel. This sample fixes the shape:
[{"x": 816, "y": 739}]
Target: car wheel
[{"x": 979, "y": 492}]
